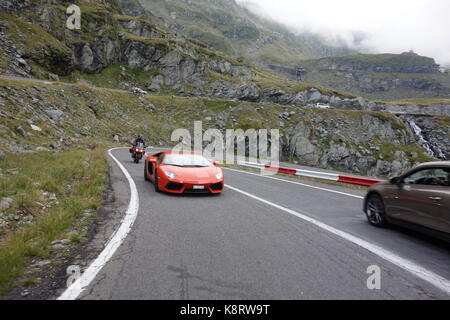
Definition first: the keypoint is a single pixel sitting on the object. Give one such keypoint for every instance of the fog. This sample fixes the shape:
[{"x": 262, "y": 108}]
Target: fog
[{"x": 385, "y": 25}]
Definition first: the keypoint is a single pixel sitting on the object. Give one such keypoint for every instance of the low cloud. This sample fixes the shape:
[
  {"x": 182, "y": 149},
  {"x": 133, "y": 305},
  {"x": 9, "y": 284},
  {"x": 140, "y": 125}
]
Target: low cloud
[{"x": 369, "y": 26}]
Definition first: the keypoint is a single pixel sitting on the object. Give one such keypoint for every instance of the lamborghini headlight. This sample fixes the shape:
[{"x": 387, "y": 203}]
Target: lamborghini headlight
[{"x": 170, "y": 174}]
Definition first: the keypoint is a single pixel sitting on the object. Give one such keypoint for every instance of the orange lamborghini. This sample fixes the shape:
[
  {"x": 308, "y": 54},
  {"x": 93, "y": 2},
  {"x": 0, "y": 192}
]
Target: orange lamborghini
[{"x": 183, "y": 172}]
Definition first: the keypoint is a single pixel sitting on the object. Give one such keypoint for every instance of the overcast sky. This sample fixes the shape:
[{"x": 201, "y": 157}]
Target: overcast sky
[{"x": 390, "y": 25}]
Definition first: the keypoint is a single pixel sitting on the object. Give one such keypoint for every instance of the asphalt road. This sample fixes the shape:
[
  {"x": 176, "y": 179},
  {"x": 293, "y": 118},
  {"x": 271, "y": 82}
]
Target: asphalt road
[{"x": 234, "y": 246}]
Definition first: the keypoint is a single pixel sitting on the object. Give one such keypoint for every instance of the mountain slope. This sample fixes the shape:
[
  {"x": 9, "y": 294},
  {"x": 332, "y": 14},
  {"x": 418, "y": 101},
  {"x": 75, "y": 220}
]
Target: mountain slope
[
  {"x": 120, "y": 51},
  {"x": 378, "y": 76},
  {"x": 226, "y": 26},
  {"x": 115, "y": 50}
]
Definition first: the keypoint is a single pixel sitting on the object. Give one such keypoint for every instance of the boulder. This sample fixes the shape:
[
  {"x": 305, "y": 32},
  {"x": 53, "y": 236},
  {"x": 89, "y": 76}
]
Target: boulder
[
  {"x": 314, "y": 96},
  {"x": 55, "y": 114},
  {"x": 35, "y": 128},
  {"x": 155, "y": 84},
  {"x": 21, "y": 131},
  {"x": 5, "y": 203}
]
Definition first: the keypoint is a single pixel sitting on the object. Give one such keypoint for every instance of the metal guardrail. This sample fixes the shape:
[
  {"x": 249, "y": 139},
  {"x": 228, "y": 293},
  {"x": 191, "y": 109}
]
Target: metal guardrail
[{"x": 313, "y": 174}]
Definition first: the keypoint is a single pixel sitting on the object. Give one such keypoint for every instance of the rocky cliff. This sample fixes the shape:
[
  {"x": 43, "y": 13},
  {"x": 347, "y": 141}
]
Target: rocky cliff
[
  {"x": 432, "y": 133},
  {"x": 371, "y": 143}
]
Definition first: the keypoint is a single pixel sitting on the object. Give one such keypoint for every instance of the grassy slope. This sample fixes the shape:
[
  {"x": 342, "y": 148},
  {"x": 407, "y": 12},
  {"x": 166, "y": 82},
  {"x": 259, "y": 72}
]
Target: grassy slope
[
  {"x": 77, "y": 178},
  {"x": 44, "y": 50}
]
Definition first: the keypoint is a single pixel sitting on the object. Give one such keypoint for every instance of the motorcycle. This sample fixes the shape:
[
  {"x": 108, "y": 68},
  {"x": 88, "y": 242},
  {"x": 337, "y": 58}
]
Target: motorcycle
[{"x": 137, "y": 152}]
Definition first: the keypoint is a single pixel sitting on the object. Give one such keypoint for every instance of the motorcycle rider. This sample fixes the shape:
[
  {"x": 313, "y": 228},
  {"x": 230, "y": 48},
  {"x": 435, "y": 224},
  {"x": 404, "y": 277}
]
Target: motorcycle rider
[{"x": 139, "y": 139}]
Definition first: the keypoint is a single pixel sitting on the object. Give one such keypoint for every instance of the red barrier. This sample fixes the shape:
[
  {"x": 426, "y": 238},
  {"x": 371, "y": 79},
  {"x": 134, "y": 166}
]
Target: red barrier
[
  {"x": 281, "y": 169},
  {"x": 344, "y": 179},
  {"x": 358, "y": 181}
]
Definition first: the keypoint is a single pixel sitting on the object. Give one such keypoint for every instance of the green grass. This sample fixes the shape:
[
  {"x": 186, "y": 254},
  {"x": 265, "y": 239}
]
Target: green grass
[
  {"x": 443, "y": 121},
  {"x": 217, "y": 105},
  {"x": 110, "y": 77},
  {"x": 220, "y": 76},
  {"x": 123, "y": 17},
  {"x": 412, "y": 151},
  {"x": 84, "y": 170},
  {"x": 3, "y": 59},
  {"x": 212, "y": 38},
  {"x": 23, "y": 83},
  {"x": 396, "y": 123},
  {"x": 157, "y": 42}
]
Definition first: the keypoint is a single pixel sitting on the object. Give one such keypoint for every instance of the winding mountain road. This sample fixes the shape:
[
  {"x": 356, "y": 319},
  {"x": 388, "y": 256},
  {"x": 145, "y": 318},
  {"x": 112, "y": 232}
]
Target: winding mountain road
[{"x": 264, "y": 238}]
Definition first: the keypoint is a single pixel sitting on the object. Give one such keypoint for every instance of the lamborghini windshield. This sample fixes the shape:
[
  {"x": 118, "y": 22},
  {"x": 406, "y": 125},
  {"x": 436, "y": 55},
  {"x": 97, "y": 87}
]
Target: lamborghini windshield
[{"x": 186, "y": 160}]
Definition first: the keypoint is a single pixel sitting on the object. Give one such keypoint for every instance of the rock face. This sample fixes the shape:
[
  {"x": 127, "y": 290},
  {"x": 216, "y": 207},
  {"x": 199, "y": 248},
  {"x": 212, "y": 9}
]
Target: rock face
[
  {"x": 175, "y": 62},
  {"x": 10, "y": 6},
  {"x": 16, "y": 64},
  {"x": 131, "y": 7},
  {"x": 368, "y": 143},
  {"x": 433, "y": 133},
  {"x": 142, "y": 29}
]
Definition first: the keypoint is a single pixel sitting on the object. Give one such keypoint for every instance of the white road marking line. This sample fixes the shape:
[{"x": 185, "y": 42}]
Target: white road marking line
[
  {"x": 298, "y": 183},
  {"x": 113, "y": 244},
  {"x": 417, "y": 270}
]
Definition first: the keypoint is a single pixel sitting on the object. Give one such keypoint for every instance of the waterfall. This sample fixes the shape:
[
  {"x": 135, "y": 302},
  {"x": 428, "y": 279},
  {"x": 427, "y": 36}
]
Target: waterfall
[{"x": 433, "y": 151}]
